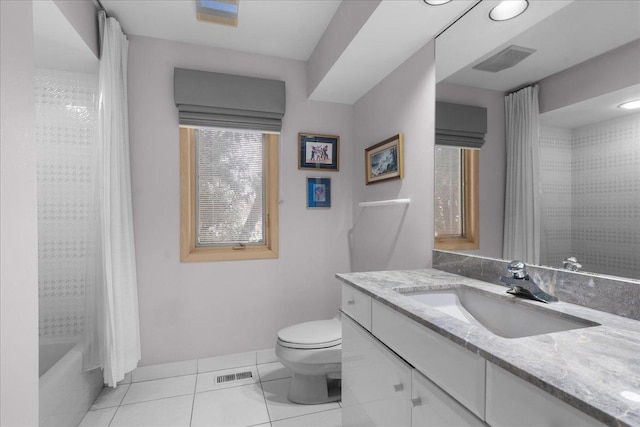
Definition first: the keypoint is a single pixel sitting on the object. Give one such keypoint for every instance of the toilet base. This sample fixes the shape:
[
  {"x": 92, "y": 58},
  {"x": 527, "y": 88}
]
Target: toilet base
[{"x": 313, "y": 389}]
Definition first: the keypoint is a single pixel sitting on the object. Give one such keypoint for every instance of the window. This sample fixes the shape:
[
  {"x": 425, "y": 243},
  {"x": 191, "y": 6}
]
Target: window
[
  {"x": 456, "y": 198},
  {"x": 229, "y": 194}
]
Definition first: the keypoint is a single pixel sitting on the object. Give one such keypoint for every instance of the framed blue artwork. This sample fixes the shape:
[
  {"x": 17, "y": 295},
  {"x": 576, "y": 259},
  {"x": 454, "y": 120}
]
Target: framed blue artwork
[{"x": 318, "y": 193}]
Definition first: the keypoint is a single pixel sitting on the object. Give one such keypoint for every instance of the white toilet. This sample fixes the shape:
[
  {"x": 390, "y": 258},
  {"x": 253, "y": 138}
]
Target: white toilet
[{"x": 312, "y": 351}]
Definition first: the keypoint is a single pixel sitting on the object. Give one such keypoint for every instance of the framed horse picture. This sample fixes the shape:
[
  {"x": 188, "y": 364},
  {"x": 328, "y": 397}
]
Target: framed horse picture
[{"x": 317, "y": 151}]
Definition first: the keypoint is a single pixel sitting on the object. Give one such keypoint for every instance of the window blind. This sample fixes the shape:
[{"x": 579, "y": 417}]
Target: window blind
[
  {"x": 228, "y": 101},
  {"x": 229, "y": 187},
  {"x": 461, "y": 126},
  {"x": 448, "y": 192}
]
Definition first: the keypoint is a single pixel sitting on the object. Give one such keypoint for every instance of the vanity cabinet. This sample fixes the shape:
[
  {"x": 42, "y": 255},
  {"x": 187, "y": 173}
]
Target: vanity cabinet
[
  {"x": 512, "y": 401},
  {"x": 453, "y": 368},
  {"x": 432, "y": 407},
  {"x": 381, "y": 389},
  {"x": 376, "y": 384},
  {"x": 398, "y": 372},
  {"x": 357, "y": 305}
]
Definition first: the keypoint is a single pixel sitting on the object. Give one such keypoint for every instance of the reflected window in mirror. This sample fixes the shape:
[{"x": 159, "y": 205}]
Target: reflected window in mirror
[{"x": 456, "y": 198}]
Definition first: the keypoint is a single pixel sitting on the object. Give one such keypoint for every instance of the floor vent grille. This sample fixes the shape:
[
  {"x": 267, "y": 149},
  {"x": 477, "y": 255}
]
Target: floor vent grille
[{"x": 234, "y": 377}]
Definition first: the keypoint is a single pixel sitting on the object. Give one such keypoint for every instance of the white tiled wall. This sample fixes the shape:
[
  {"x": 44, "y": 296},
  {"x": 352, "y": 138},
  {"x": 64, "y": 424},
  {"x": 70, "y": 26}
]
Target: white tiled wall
[
  {"x": 64, "y": 134},
  {"x": 555, "y": 183},
  {"x": 602, "y": 215}
]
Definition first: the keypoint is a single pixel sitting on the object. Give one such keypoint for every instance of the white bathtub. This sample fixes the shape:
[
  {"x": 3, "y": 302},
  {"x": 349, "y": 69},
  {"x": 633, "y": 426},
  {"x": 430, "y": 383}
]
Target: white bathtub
[{"x": 66, "y": 392}]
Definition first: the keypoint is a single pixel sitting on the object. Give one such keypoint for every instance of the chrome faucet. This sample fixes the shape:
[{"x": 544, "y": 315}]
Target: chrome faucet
[
  {"x": 520, "y": 284},
  {"x": 571, "y": 264}
]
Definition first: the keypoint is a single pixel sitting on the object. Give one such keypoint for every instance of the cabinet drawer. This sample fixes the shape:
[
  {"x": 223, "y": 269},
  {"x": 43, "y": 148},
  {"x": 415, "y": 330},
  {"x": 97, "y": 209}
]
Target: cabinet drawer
[
  {"x": 513, "y": 401},
  {"x": 357, "y": 305},
  {"x": 433, "y": 407},
  {"x": 376, "y": 384},
  {"x": 456, "y": 370}
]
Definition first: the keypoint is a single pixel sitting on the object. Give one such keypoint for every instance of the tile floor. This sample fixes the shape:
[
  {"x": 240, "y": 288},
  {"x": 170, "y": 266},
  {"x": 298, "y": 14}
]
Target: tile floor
[{"x": 186, "y": 394}]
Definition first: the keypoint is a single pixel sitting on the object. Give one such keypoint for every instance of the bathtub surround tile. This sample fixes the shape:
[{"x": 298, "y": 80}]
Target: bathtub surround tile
[
  {"x": 207, "y": 381},
  {"x": 275, "y": 394},
  {"x": 98, "y": 418},
  {"x": 170, "y": 412},
  {"x": 266, "y": 356},
  {"x": 229, "y": 361},
  {"x": 110, "y": 397},
  {"x": 273, "y": 371},
  {"x": 237, "y": 406},
  {"x": 160, "y": 389},
  {"x": 330, "y": 418},
  {"x": 164, "y": 370}
]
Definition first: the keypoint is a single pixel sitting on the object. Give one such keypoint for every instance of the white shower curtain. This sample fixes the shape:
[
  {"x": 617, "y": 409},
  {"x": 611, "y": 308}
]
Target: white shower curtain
[
  {"x": 116, "y": 332},
  {"x": 522, "y": 196}
]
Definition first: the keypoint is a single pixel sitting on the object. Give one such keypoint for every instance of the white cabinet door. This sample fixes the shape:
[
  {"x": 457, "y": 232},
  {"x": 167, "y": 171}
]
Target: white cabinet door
[
  {"x": 511, "y": 401},
  {"x": 433, "y": 407},
  {"x": 452, "y": 367},
  {"x": 357, "y": 305},
  {"x": 376, "y": 384}
]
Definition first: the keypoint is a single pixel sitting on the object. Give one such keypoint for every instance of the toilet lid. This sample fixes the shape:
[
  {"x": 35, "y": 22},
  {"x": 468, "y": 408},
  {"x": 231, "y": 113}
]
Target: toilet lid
[{"x": 316, "y": 334}]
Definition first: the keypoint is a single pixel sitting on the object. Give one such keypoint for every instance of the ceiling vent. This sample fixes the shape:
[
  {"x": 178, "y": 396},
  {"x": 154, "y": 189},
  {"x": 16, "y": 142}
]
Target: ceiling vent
[{"x": 504, "y": 59}]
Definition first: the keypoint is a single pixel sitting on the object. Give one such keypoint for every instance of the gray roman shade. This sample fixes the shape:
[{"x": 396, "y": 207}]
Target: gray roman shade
[
  {"x": 460, "y": 125},
  {"x": 228, "y": 101}
]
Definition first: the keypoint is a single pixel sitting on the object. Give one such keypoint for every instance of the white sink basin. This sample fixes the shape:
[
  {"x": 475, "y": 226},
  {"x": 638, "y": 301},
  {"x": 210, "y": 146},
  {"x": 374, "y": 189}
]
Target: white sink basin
[{"x": 501, "y": 316}]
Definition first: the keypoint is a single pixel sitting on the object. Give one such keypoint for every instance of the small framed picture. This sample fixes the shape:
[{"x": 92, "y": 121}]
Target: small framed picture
[
  {"x": 318, "y": 151},
  {"x": 318, "y": 193},
  {"x": 384, "y": 160}
]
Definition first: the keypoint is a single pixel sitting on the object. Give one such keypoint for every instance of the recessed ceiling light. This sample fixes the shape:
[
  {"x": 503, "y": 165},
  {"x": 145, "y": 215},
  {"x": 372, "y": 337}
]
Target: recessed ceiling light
[
  {"x": 631, "y": 105},
  {"x": 436, "y": 2},
  {"x": 508, "y": 9}
]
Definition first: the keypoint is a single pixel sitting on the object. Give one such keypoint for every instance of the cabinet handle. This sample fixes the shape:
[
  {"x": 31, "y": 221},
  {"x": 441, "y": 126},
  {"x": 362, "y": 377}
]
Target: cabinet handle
[
  {"x": 416, "y": 402},
  {"x": 351, "y": 302},
  {"x": 398, "y": 387}
]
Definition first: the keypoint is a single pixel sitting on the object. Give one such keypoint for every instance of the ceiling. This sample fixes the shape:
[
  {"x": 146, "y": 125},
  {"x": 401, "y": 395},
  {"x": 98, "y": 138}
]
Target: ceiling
[
  {"x": 282, "y": 28},
  {"x": 391, "y": 32},
  {"x": 564, "y": 33},
  {"x": 572, "y": 33}
]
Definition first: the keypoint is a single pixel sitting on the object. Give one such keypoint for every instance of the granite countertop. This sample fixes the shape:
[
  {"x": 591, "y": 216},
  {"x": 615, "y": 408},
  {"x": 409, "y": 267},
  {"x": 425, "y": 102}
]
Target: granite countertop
[{"x": 589, "y": 368}]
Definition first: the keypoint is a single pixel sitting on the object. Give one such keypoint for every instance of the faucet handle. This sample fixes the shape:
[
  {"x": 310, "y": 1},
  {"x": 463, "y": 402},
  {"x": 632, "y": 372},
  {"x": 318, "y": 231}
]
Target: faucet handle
[{"x": 517, "y": 269}]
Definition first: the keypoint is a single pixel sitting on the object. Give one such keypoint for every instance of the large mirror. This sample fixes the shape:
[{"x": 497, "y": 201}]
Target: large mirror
[{"x": 586, "y": 59}]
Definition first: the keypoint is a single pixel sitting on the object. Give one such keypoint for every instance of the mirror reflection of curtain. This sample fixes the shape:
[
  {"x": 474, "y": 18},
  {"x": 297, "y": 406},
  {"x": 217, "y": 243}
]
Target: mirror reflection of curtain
[{"x": 522, "y": 196}]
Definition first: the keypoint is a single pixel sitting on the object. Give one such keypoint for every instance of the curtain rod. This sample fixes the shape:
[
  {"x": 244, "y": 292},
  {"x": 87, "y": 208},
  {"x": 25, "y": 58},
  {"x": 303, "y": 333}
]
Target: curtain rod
[{"x": 100, "y": 6}]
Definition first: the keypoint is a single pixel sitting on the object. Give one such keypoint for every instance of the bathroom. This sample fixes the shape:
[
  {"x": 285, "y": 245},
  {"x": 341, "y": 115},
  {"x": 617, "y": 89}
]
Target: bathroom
[{"x": 193, "y": 311}]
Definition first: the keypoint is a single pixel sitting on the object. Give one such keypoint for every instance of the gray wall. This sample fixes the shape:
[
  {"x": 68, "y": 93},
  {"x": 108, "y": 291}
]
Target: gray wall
[
  {"x": 606, "y": 73},
  {"x": 492, "y": 161},
  {"x": 18, "y": 219},
  {"x": 195, "y": 310},
  {"x": 82, "y": 15},
  {"x": 396, "y": 237}
]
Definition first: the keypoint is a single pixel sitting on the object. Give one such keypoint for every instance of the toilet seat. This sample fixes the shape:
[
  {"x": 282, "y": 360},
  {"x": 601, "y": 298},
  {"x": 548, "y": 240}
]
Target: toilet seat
[{"x": 312, "y": 335}]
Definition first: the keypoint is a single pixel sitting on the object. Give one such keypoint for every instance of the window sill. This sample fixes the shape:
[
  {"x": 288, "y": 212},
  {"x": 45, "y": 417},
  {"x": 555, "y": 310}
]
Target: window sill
[
  {"x": 228, "y": 254},
  {"x": 456, "y": 243}
]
